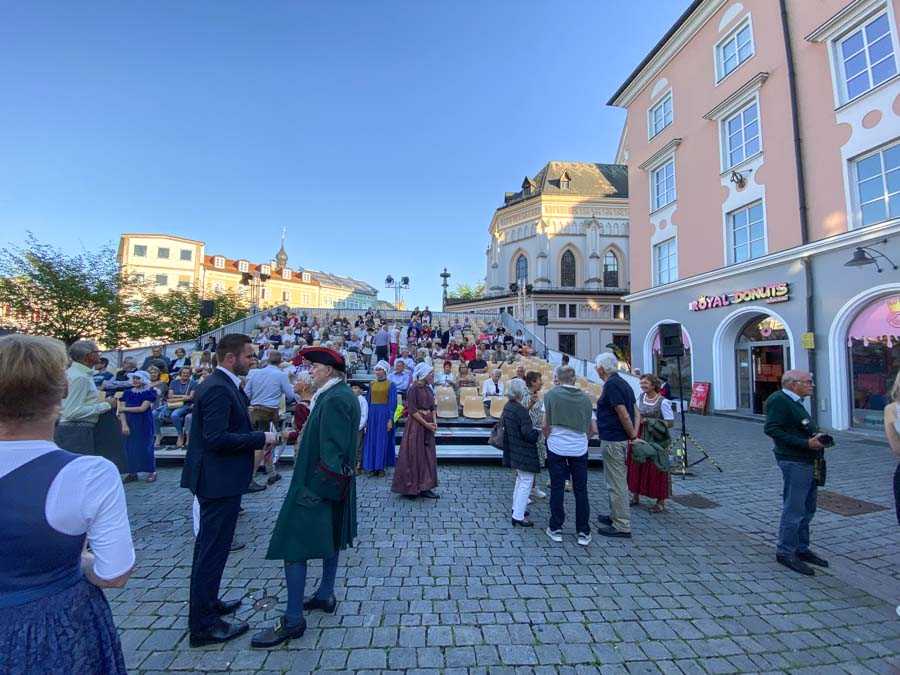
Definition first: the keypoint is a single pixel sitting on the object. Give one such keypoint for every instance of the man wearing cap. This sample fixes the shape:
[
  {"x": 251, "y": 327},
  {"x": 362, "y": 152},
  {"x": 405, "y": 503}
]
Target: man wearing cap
[{"x": 318, "y": 517}]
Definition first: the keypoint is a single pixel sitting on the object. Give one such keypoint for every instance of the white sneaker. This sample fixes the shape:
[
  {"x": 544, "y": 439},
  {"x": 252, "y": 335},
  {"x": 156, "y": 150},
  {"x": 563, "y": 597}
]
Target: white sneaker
[
  {"x": 529, "y": 500},
  {"x": 584, "y": 539},
  {"x": 540, "y": 494},
  {"x": 555, "y": 535}
]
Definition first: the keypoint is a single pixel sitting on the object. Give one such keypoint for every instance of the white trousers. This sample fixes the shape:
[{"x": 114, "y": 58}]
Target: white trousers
[{"x": 524, "y": 481}]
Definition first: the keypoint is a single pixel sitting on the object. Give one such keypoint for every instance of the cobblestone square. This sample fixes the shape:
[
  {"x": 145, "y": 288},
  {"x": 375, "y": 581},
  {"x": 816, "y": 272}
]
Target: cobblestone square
[{"x": 449, "y": 586}]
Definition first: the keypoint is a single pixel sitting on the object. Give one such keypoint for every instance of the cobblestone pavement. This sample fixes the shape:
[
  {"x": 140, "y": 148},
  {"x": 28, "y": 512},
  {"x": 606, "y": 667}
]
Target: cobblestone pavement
[{"x": 449, "y": 586}]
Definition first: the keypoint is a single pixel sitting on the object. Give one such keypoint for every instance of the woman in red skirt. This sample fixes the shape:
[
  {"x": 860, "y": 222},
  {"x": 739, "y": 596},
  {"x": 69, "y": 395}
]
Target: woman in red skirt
[{"x": 646, "y": 479}]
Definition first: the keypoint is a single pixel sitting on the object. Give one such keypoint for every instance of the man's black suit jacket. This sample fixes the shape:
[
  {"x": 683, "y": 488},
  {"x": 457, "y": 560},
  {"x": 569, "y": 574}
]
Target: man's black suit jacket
[{"x": 219, "y": 461}]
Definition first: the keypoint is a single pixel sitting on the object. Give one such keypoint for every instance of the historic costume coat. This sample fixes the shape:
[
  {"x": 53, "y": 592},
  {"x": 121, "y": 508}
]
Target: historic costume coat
[{"x": 315, "y": 519}]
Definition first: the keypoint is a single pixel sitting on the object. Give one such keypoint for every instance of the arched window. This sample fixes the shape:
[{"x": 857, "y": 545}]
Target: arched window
[
  {"x": 521, "y": 268},
  {"x": 611, "y": 270},
  {"x": 567, "y": 270}
]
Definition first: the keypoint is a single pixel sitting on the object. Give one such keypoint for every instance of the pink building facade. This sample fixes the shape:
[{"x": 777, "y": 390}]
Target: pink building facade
[{"x": 762, "y": 141}]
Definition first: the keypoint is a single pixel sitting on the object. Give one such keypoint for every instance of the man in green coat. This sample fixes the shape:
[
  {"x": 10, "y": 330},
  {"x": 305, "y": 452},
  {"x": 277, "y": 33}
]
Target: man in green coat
[
  {"x": 318, "y": 517},
  {"x": 798, "y": 444}
]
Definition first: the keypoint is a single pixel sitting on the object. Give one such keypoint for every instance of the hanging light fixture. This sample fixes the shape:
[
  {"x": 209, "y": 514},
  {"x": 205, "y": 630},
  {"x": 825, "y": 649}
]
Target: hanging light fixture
[{"x": 866, "y": 255}]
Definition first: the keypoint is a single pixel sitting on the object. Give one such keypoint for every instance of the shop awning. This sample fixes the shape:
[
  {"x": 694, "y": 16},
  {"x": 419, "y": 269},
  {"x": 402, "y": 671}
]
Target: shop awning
[{"x": 684, "y": 338}]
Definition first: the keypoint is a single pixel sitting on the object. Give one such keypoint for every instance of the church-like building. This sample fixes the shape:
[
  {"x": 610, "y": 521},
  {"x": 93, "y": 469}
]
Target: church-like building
[{"x": 560, "y": 245}]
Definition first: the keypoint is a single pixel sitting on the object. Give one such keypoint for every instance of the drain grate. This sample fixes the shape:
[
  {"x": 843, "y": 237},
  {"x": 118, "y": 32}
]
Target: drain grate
[
  {"x": 695, "y": 501},
  {"x": 846, "y": 506}
]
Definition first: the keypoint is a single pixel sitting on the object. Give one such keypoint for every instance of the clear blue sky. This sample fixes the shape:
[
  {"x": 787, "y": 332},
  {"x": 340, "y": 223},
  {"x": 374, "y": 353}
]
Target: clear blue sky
[{"x": 382, "y": 134}]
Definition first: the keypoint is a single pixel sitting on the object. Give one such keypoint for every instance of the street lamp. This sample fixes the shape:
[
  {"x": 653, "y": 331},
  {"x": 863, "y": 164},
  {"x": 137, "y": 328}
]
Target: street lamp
[
  {"x": 401, "y": 285},
  {"x": 444, "y": 276},
  {"x": 862, "y": 256}
]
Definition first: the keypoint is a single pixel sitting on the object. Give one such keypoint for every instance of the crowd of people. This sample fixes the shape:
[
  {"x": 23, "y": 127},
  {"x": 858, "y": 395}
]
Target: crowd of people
[{"x": 66, "y": 523}]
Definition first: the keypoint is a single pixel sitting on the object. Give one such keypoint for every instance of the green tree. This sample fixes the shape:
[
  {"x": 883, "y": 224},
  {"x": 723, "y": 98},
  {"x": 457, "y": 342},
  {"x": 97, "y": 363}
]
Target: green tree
[
  {"x": 69, "y": 296},
  {"x": 175, "y": 316},
  {"x": 467, "y": 292}
]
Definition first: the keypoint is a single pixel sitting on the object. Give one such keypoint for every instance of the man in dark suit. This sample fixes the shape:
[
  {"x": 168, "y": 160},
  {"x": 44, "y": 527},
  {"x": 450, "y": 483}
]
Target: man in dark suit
[
  {"x": 217, "y": 470},
  {"x": 797, "y": 445}
]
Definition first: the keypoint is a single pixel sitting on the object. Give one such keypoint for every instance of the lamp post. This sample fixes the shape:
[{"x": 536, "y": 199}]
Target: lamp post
[
  {"x": 255, "y": 281},
  {"x": 401, "y": 285},
  {"x": 444, "y": 276},
  {"x": 866, "y": 255}
]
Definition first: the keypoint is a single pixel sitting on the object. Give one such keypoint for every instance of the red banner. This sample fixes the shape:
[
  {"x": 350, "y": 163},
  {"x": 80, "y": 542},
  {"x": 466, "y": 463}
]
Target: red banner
[{"x": 699, "y": 396}]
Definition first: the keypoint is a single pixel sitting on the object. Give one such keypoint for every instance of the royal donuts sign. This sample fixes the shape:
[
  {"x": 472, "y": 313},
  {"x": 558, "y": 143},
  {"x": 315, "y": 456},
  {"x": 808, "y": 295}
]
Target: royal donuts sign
[{"x": 779, "y": 292}]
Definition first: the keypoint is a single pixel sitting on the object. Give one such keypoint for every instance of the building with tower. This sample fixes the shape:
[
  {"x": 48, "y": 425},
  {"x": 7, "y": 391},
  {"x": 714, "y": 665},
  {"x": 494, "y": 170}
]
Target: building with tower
[
  {"x": 167, "y": 262},
  {"x": 560, "y": 245}
]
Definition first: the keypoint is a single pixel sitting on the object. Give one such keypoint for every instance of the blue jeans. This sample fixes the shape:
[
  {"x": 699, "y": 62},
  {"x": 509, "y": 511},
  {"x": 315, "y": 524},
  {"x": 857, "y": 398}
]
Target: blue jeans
[
  {"x": 561, "y": 468},
  {"x": 295, "y": 575},
  {"x": 798, "y": 507},
  {"x": 178, "y": 416}
]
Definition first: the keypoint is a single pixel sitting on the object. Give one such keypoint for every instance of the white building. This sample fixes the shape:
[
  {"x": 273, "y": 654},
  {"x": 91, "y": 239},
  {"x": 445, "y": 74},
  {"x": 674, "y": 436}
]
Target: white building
[{"x": 560, "y": 245}]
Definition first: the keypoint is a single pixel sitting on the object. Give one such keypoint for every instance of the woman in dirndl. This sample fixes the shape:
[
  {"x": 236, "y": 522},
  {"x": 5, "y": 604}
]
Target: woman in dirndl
[
  {"x": 54, "y": 617},
  {"x": 645, "y": 479}
]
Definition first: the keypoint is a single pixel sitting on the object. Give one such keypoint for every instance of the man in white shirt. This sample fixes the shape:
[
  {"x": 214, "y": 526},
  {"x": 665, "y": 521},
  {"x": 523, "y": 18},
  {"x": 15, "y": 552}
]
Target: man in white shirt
[
  {"x": 82, "y": 407},
  {"x": 360, "y": 391},
  {"x": 264, "y": 388},
  {"x": 490, "y": 388}
]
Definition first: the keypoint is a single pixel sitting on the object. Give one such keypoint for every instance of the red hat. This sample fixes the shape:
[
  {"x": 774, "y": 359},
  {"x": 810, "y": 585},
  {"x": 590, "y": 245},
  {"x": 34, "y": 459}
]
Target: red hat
[{"x": 325, "y": 356}]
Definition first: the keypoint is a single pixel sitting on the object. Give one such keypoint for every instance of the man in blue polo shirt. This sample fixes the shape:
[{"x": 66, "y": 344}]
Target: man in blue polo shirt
[{"x": 615, "y": 426}]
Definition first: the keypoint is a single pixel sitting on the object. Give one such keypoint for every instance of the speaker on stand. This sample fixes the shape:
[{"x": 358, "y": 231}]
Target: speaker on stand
[
  {"x": 207, "y": 309},
  {"x": 543, "y": 318}
]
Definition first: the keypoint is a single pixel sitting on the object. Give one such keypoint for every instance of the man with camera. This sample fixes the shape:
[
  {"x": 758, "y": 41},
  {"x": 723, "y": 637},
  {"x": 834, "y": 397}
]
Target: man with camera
[{"x": 799, "y": 450}]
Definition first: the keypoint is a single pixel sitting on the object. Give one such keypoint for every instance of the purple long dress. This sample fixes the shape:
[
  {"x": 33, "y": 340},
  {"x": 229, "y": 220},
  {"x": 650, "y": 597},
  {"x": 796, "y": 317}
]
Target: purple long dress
[{"x": 417, "y": 464}]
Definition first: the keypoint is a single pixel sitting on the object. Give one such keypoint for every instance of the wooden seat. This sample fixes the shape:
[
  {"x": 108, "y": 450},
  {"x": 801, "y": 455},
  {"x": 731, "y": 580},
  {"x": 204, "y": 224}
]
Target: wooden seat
[
  {"x": 473, "y": 408},
  {"x": 497, "y": 405},
  {"x": 445, "y": 402},
  {"x": 480, "y": 378}
]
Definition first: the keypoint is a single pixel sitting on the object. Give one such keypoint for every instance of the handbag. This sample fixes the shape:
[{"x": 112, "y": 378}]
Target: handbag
[
  {"x": 820, "y": 471},
  {"x": 497, "y": 435}
]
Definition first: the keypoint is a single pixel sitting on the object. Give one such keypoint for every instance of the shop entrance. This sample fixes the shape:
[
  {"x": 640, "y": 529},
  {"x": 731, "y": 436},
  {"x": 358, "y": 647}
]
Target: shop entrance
[{"x": 762, "y": 352}]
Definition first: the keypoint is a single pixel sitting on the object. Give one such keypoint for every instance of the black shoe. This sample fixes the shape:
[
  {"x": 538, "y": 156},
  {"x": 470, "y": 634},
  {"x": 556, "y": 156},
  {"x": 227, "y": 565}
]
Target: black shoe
[
  {"x": 328, "y": 606},
  {"x": 604, "y": 520},
  {"x": 274, "y": 478},
  {"x": 613, "y": 532},
  {"x": 221, "y": 631},
  {"x": 255, "y": 487},
  {"x": 428, "y": 494},
  {"x": 223, "y": 607},
  {"x": 812, "y": 559},
  {"x": 522, "y": 523},
  {"x": 237, "y": 545},
  {"x": 272, "y": 637},
  {"x": 795, "y": 564}
]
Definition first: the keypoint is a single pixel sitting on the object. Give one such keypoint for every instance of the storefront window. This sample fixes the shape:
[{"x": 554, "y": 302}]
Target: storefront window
[
  {"x": 666, "y": 367},
  {"x": 874, "y": 344}
]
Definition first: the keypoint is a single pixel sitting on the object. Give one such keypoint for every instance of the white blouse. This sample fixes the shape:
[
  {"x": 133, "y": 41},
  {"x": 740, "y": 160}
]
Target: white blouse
[{"x": 85, "y": 497}]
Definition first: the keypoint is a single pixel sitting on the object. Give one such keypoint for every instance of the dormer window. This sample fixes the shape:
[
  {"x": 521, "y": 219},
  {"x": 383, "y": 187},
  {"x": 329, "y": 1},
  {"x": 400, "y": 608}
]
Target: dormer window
[
  {"x": 564, "y": 181},
  {"x": 243, "y": 266},
  {"x": 265, "y": 269},
  {"x": 286, "y": 274},
  {"x": 527, "y": 186},
  {"x": 305, "y": 277},
  {"x": 219, "y": 262}
]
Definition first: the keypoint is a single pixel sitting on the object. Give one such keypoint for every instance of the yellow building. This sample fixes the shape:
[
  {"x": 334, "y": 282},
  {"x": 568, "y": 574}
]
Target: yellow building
[{"x": 167, "y": 262}]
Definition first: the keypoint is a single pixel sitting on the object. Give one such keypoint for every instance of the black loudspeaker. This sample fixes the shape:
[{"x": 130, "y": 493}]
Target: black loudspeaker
[
  {"x": 207, "y": 309},
  {"x": 543, "y": 317},
  {"x": 670, "y": 343}
]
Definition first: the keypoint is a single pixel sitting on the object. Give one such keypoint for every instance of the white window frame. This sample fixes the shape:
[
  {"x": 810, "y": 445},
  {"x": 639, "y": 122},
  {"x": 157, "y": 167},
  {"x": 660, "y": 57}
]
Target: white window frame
[
  {"x": 837, "y": 60},
  {"x": 654, "y": 206},
  {"x": 219, "y": 262},
  {"x": 243, "y": 266},
  {"x": 265, "y": 269},
  {"x": 724, "y": 137},
  {"x": 719, "y": 61},
  {"x": 729, "y": 232},
  {"x": 856, "y": 221},
  {"x": 653, "y": 132},
  {"x": 286, "y": 274},
  {"x": 305, "y": 277},
  {"x": 285, "y": 296},
  {"x": 674, "y": 242}
]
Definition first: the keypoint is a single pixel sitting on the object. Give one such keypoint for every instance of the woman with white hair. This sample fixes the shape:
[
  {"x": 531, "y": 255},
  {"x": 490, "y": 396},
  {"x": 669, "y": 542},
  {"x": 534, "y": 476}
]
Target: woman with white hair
[
  {"x": 136, "y": 416},
  {"x": 416, "y": 472},
  {"x": 379, "y": 446},
  {"x": 520, "y": 448}
]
